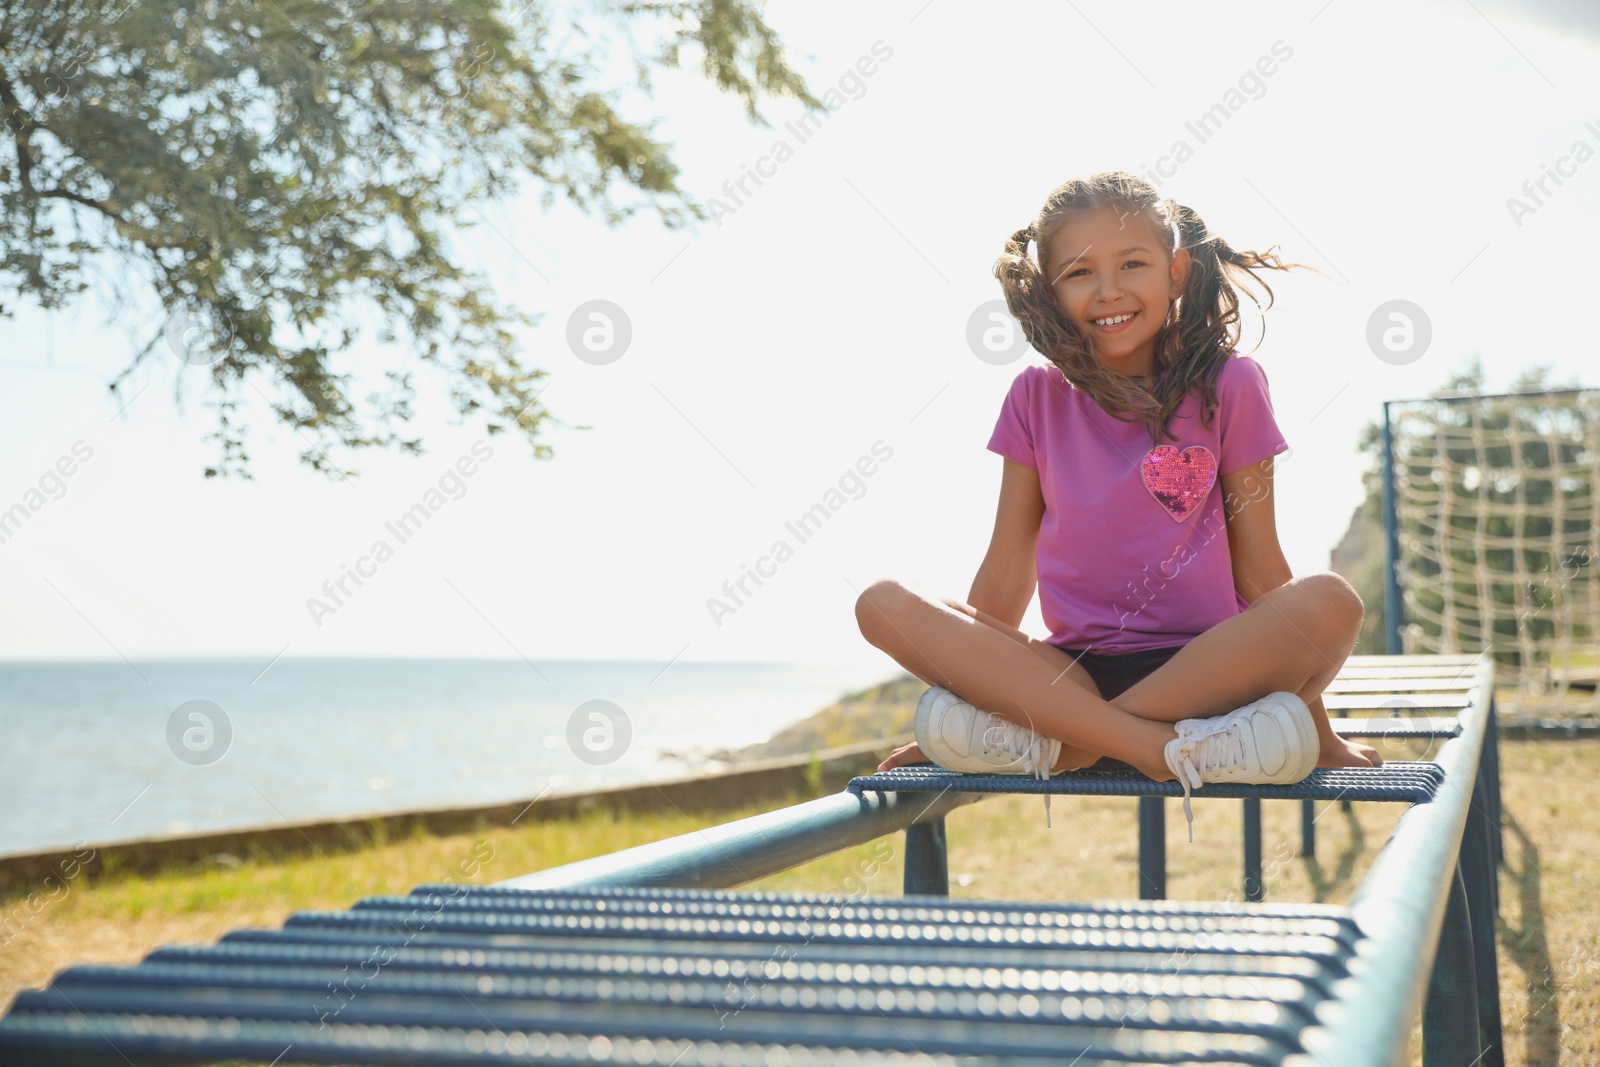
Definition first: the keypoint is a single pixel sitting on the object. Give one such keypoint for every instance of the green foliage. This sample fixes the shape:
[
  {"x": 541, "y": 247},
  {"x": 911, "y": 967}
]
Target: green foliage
[
  {"x": 813, "y": 772},
  {"x": 269, "y": 169}
]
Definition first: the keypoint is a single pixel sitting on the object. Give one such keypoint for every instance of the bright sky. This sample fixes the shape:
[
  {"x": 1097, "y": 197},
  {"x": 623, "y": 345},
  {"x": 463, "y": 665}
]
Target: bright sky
[{"x": 823, "y": 324}]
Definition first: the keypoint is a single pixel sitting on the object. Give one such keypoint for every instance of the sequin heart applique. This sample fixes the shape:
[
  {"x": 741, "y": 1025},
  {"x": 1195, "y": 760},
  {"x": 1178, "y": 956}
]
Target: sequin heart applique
[{"x": 1179, "y": 480}]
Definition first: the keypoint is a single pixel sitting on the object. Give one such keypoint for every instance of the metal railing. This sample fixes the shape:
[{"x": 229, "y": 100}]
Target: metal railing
[{"x": 736, "y": 853}]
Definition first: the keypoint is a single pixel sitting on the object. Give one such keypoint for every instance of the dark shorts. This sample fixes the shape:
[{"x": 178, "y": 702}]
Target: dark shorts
[{"x": 1115, "y": 672}]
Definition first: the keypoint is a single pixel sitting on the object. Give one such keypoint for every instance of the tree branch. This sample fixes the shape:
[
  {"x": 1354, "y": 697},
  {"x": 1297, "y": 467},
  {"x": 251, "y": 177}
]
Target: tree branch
[{"x": 78, "y": 198}]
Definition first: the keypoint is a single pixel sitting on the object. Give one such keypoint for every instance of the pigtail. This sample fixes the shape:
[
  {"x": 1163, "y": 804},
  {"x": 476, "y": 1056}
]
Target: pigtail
[
  {"x": 1028, "y": 295},
  {"x": 1191, "y": 354}
]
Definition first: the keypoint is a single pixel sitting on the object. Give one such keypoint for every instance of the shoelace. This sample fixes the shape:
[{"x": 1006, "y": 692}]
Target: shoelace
[
  {"x": 1211, "y": 746},
  {"x": 1014, "y": 739}
]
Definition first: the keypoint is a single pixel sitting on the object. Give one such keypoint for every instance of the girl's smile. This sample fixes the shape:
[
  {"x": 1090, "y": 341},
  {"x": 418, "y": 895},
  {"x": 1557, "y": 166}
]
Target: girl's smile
[{"x": 1114, "y": 323}]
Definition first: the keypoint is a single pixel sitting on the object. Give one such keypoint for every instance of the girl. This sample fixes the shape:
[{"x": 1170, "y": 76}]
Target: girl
[{"x": 1137, "y": 495}]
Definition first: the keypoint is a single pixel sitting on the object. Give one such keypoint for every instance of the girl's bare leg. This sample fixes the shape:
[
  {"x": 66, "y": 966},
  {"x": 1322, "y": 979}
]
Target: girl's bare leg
[
  {"x": 1314, "y": 620},
  {"x": 950, "y": 648},
  {"x": 1070, "y": 671},
  {"x": 1294, "y": 638}
]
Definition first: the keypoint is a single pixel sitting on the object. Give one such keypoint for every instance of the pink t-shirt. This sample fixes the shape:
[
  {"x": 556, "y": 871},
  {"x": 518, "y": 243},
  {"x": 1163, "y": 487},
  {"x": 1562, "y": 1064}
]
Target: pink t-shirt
[{"x": 1133, "y": 549}]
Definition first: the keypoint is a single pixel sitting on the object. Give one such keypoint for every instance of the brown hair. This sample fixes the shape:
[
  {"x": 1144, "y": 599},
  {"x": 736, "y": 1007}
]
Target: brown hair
[{"x": 1192, "y": 344}]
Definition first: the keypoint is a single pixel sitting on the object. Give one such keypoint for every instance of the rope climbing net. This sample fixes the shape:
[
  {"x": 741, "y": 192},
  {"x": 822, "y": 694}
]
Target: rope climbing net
[{"x": 1499, "y": 535}]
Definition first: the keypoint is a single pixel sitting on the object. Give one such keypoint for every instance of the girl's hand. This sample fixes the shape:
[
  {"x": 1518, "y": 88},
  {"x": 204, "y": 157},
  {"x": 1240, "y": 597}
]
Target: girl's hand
[{"x": 905, "y": 754}]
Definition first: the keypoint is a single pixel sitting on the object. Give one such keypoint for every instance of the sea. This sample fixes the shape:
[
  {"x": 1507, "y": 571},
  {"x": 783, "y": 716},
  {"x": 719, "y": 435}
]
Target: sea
[{"x": 97, "y": 753}]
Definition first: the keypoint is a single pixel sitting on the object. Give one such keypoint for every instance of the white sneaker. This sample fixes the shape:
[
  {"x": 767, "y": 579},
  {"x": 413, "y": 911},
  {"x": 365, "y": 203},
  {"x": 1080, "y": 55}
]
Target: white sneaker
[
  {"x": 1271, "y": 742},
  {"x": 961, "y": 737}
]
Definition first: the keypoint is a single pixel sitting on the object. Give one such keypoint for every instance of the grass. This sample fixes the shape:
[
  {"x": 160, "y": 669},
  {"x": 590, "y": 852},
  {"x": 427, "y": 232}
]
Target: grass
[
  {"x": 1549, "y": 930},
  {"x": 1576, "y": 657}
]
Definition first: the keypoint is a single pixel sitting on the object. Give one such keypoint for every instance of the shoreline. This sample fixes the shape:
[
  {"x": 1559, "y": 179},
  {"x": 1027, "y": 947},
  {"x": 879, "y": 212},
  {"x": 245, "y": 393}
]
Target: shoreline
[
  {"x": 355, "y": 778},
  {"x": 846, "y": 734}
]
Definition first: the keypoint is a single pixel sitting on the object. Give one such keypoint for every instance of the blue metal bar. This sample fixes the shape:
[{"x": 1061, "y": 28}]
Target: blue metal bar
[
  {"x": 1253, "y": 889},
  {"x": 1450, "y": 1015},
  {"x": 1496, "y": 829},
  {"x": 1152, "y": 848},
  {"x": 1396, "y": 727},
  {"x": 1478, "y": 875},
  {"x": 1400, "y": 908},
  {"x": 722, "y": 857},
  {"x": 1308, "y": 829},
  {"x": 1496, "y": 396},
  {"x": 927, "y": 870},
  {"x": 1393, "y": 609},
  {"x": 1396, "y": 781}
]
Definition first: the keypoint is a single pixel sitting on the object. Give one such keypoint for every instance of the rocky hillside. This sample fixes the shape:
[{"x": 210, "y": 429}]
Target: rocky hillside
[
  {"x": 1358, "y": 558},
  {"x": 883, "y": 712}
]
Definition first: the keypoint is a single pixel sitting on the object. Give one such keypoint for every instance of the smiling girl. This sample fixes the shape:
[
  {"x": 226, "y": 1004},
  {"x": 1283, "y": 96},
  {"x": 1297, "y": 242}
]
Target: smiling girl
[{"x": 1136, "y": 495}]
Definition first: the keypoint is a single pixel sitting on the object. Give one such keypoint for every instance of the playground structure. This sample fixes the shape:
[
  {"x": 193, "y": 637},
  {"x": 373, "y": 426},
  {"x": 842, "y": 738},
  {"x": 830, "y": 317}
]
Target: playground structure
[
  {"x": 643, "y": 956},
  {"x": 1491, "y": 524}
]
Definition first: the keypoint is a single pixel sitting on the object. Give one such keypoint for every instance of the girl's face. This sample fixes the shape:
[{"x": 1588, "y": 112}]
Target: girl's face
[{"x": 1113, "y": 276}]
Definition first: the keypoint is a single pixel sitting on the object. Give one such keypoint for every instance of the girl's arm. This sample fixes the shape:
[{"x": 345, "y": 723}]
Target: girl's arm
[
  {"x": 1006, "y": 579},
  {"x": 1259, "y": 568},
  {"x": 1258, "y": 563}
]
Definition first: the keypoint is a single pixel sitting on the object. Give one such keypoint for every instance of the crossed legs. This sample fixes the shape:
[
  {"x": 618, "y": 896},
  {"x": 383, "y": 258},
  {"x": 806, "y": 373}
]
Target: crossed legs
[{"x": 1294, "y": 638}]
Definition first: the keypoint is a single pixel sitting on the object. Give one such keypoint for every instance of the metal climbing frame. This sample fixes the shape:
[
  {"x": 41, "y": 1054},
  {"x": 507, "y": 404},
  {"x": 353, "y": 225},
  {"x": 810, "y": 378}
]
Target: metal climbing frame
[{"x": 645, "y": 957}]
